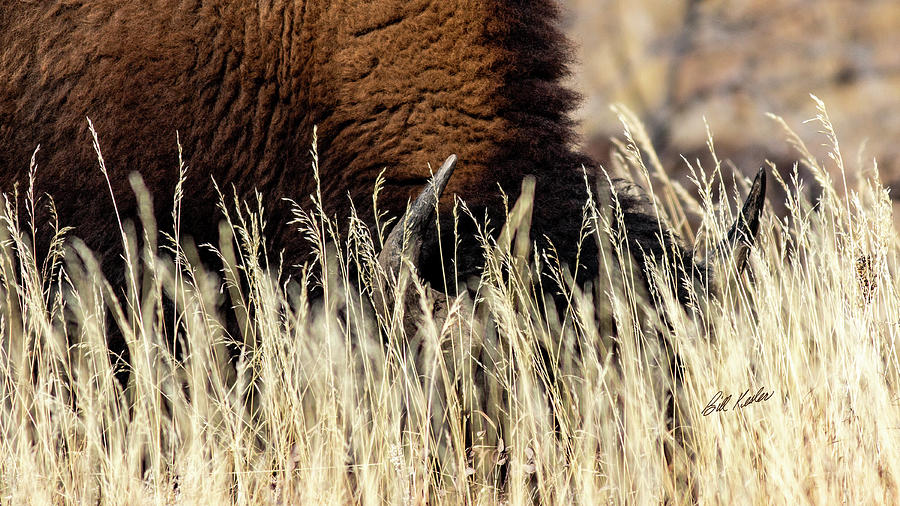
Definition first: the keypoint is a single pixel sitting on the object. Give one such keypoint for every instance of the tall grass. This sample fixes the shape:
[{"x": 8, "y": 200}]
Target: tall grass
[{"x": 497, "y": 399}]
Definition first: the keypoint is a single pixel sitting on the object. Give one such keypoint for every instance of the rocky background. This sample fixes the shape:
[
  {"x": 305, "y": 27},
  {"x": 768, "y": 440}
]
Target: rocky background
[{"x": 676, "y": 62}]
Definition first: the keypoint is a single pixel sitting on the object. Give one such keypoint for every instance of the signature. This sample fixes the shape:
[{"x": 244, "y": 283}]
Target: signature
[{"x": 722, "y": 402}]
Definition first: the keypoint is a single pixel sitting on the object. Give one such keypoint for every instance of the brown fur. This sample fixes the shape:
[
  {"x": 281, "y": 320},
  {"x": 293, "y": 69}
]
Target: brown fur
[{"x": 393, "y": 84}]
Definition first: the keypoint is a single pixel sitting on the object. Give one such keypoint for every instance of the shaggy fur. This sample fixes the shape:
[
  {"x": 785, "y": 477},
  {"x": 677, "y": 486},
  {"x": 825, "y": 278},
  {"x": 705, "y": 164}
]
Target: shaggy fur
[{"x": 391, "y": 84}]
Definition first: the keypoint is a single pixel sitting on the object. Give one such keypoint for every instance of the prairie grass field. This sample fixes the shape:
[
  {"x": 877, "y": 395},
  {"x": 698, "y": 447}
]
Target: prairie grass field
[{"x": 246, "y": 387}]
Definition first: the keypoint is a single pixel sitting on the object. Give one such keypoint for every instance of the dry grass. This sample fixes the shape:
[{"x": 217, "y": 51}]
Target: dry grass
[{"x": 328, "y": 404}]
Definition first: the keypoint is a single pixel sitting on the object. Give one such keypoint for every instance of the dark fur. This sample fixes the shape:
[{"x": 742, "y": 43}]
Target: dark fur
[{"x": 391, "y": 84}]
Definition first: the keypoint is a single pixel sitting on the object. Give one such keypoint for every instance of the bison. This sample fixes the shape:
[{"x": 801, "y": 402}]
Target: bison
[{"x": 390, "y": 84}]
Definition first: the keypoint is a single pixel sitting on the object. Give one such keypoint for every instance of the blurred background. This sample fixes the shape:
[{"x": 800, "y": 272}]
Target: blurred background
[{"x": 674, "y": 62}]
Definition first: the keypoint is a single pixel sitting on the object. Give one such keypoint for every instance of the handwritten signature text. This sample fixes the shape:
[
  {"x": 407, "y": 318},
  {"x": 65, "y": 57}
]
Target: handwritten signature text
[{"x": 722, "y": 402}]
